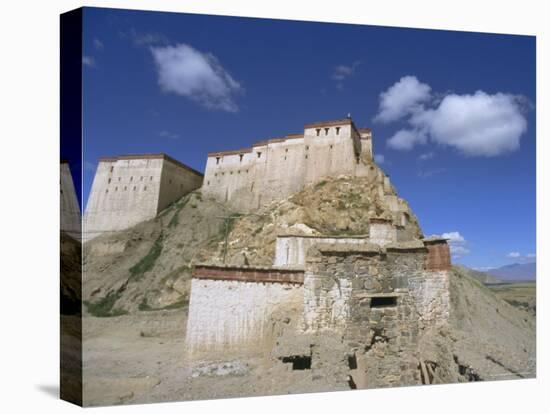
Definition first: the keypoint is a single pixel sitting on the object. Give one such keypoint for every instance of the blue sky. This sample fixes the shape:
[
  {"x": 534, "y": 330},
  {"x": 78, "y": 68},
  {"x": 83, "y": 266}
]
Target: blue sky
[{"x": 452, "y": 113}]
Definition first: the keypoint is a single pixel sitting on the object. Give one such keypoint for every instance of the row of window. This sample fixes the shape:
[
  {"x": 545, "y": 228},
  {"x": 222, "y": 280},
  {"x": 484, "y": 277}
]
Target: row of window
[
  {"x": 131, "y": 179},
  {"x": 318, "y": 130},
  {"x": 125, "y": 188},
  {"x": 230, "y": 173},
  {"x": 259, "y": 153}
]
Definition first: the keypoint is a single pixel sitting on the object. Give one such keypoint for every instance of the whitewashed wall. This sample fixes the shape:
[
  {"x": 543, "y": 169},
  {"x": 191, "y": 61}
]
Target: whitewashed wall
[{"x": 233, "y": 316}]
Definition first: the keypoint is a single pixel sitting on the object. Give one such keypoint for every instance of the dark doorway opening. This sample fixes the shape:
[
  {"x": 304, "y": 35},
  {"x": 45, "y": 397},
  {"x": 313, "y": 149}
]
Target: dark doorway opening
[
  {"x": 352, "y": 361},
  {"x": 299, "y": 362}
]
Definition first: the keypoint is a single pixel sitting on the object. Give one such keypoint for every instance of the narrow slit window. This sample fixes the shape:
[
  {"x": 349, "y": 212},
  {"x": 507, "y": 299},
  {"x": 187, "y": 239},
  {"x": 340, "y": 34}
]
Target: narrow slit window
[
  {"x": 318, "y": 131},
  {"x": 326, "y": 131},
  {"x": 259, "y": 154},
  {"x": 217, "y": 160},
  {"x": 337, "y": 130},
  {"x": 240, "y": 157},
  {"x": 383, "y": 301}
]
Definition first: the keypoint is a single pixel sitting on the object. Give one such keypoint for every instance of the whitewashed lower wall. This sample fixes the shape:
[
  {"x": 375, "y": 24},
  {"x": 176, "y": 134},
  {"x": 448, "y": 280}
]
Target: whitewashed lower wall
[
  {"x": 326, "y": 302},
  {"x": 431, "y": 294},
  {"x": 227, "y": 316}
]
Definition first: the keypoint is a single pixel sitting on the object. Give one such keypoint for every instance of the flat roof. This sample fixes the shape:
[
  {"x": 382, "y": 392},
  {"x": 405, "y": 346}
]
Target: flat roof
[
  {"x": 249, "y": 274},
  {"x": 261, "y": 143},
  {"x": 149, "y": 156}
]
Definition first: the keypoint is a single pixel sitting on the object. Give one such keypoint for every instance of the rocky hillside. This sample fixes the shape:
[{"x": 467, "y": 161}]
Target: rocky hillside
[
  {"x": 341, "y": 206},
  {"x": 148, "y": 266}
]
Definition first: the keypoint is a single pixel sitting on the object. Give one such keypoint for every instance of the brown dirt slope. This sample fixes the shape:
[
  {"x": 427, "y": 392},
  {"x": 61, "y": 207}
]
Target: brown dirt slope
[{"x": 147, "y": 267}]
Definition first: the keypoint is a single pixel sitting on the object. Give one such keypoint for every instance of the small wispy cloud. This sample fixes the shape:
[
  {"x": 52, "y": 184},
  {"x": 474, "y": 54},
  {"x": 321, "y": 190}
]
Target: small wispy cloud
[
  {"x": 343, "y": 72},
  {"x": 426, "y": 156},
  {"x": 168, "y": 134},
  {"x": 199, "y": 76},
  {"x": 521, "y": 258},
  {"x": 141, "y": 39},
  {"x": 88, "y": 61},
  {"x": 430, "y": 173},
  {"x": 98, "y": 44}
]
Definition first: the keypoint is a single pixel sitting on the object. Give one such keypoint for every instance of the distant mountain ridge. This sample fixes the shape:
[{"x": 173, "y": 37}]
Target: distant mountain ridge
[
  {"x": 482, "y": 277},
  {"x": 515, "y": 272}
]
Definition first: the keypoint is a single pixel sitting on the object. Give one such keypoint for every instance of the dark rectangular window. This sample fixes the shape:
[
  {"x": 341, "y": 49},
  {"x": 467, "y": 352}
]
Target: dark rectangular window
[
  {"x": 383, "y": 301},
  {"x": 299, "y": 362}
]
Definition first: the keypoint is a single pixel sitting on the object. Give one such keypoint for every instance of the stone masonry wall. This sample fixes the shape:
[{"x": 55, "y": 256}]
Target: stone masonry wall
[{"x": 379, "y": 299}]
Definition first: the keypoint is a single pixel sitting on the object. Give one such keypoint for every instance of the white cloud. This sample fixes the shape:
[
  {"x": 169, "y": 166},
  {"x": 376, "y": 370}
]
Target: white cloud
[
  {"x": 457, "y": 243},
  {"x": 531, "y": 255},
  {"x": 479, "y": 124},
  {"x": 406, "y": 139},
  {"x": 513, "y": 255},
  {"x": 401, "y": 99},
  {"x": 379, "y": 158},
  {"x": 199, "y": 76},
  {"x": 454, "y": 237},
  {"x": 476, "y": 125},
  {"x": 88, "y": 61}
]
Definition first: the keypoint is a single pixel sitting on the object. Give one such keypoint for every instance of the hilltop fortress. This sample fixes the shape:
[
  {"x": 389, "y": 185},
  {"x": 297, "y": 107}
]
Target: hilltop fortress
[
  {"x": 133, "y": 188},
  {"x": 275, "y": 168}
]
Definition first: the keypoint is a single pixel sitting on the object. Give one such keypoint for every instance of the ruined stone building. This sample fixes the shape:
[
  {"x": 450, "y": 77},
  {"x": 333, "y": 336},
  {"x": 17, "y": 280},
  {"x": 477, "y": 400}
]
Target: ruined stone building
[
  {"x": 132, "y": 188},
  {"x": 347, "y": 309},
  {"x": 353, "y": 308},
  {"x": 70, "y": 209}
]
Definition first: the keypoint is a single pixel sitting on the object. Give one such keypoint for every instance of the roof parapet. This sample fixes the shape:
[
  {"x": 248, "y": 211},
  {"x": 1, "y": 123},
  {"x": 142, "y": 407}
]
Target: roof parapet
[{"x": 151, "y": 156}]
